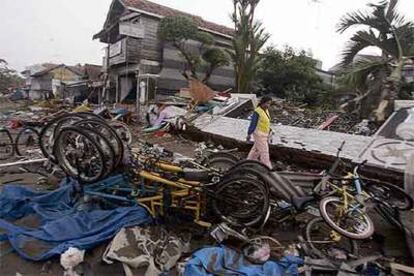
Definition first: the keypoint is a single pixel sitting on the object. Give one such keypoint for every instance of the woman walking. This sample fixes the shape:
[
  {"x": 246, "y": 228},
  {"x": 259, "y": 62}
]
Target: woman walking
[{"x": 260, "y": 129}]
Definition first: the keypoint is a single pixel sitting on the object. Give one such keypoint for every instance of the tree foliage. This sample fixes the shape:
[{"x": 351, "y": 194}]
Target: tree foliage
[
  {"x": 200, "y": 60},
  {"x": 291, "y": 75},
  {"x": 378, "y": 78},
  {"x": 8, "y": 77},
  {"x": 249, "y": 39}
]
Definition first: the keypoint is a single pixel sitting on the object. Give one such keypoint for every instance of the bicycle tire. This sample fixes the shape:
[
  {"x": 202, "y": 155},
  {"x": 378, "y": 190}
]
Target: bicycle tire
[
  {"x": 221, "y": 164},
  {"x": 46, "y": 145},
  {"x": 90, "y": 115},
  {"x": 47, "y": 136},
  {"x": 227, "y": 155},
  {"x": 324, "y": 213},
  {"x": 250, "y": 173},
  {"x": 19, "y": 136},
  {"x": 385, "y": 190},
  {"x": 352, "y": 246},
  {"x": 114, "y": 138},
  {"x": 123, "y": 131},
  {"x": 250, "y": 219},
  {"x": 106, "y": 147},
  {"x": 270, "y": 182},
  {"x": 7, "y": 144},
  {"x": 63, "y": 162},
  {"x": 252, "y": 164}
]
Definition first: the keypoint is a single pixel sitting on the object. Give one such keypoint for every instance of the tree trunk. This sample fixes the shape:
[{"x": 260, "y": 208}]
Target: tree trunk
[{"x": 389, "y": 93}]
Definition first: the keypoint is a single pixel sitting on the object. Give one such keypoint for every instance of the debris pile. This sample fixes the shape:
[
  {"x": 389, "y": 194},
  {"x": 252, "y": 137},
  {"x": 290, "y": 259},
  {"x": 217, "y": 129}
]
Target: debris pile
[
  {"x": 286, "y": 113},
  {"x": 108, "y": 173}
]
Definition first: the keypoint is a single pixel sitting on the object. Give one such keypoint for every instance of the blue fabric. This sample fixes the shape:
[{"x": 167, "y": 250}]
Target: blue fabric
[
  {"x": 62, "y": 223},
  {"x": 225, "y": 261},
  {"x": 253, "y": 123},
  {"x": 120, "y": 111}
]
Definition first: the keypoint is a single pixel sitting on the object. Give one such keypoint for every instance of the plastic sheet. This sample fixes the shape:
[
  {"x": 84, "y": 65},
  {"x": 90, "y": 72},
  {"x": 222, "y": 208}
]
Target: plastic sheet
[
  {"x": 225, "y": 261},
  {"x": 57, "y": 223}
]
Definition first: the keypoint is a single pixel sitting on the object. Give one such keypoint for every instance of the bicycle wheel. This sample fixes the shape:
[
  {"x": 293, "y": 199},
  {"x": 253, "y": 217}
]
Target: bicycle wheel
[
  {"x": 241, "y": 201},
  {"x": 220, "y": 163},
  {"x": 123, "y": 131},
  {"x": 245, "y": 172},
  {"x": 106, "y": 147},
  {"x": 327, "y": 243},
  {"x": 48, "y": 134},
  {"x": 27, "y": 141},
  {"x": 393, "y": 195},
  {"x": 252, "y": 164},
  {"x": 79, "y": 155},
  {"x": 108, "y": 132},
  {"x": 6, "y": 144},
  {"x": 352, "y": 222}
]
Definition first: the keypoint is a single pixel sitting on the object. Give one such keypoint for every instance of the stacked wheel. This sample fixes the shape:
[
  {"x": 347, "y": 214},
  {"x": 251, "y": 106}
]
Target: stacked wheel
[
  {"x": 84, "y": 145},
  {"x": 241, "y": 201}
]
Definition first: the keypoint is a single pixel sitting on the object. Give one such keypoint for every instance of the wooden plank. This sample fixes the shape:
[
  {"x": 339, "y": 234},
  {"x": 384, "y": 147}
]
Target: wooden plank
[
  {"x": 130, "y": 29},
  {"x": 115, "y": 49}
]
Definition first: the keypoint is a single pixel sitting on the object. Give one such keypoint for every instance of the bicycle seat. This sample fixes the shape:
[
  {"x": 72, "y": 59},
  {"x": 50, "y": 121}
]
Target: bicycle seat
[
  {"x": 300, "y": 202},
  {"x": 196, "y": 175}
]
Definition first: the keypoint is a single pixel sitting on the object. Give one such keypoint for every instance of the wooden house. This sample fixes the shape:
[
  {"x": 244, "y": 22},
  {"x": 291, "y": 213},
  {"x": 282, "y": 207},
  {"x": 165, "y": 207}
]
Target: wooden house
[
  {"x": 47, "y": 82},
  {"x": 62, "y": 81},
  {"x": 136, "y": 58}
]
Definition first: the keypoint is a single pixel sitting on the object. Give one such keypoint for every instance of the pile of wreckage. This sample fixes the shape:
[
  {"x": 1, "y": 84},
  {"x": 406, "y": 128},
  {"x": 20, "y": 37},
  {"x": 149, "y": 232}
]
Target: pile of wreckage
[
  {"x": 137, "y": 197},
  {"x": 173, "y": 112},
  {"x": 177, "y": 111},
  {"x": 286, "y": 113}
]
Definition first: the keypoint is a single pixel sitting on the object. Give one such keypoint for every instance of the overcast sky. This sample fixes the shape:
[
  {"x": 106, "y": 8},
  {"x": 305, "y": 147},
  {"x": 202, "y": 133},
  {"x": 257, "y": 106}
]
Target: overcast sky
[{"x": 60, "y": 31}]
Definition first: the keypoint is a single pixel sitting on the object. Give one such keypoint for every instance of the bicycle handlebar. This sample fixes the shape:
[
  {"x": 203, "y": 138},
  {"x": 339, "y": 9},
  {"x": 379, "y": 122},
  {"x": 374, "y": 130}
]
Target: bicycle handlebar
[
  {"x": 340, "y": 149},
  {"x": 337, "y": 160},
  {"x": 360, "y": 165}
]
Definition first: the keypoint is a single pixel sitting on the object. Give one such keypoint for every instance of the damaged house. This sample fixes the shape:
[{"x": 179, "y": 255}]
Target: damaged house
[
  {"x": 137, "y": 60},
  {"x": 63, "y": 81}
]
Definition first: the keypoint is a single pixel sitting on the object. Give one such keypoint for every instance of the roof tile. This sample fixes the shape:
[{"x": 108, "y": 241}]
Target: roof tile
[{"x": 164, "y": 11}]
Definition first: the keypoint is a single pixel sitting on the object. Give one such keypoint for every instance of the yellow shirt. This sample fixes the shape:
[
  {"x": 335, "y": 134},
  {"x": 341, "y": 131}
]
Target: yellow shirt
[{"x": 263, "y": 125}]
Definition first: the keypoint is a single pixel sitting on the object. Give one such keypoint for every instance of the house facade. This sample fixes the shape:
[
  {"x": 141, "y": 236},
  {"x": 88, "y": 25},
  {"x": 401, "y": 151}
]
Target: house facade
[
  {"x": 137, "y": 60},
  {"x": 48, "y": 82},
  {"x": 61, "y": 81}
]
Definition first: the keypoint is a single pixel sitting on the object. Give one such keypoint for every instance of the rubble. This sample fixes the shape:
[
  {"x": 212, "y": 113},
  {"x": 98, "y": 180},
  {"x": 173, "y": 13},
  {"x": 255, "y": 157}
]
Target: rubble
[
  {"x": 136, "y": 187},
  {"x": 285, "y": 113}
]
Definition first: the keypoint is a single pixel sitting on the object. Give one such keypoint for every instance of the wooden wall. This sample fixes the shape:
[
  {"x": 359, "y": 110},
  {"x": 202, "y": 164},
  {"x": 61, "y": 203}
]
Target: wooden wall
[{"x": 151, "y": 48}]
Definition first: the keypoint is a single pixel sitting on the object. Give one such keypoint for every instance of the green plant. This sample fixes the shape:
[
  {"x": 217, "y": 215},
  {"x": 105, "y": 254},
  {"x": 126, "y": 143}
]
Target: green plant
[
  {"x": 378, "y": 78},
  {"x": 249, "y": 39},
  {"x": 200, "y": 59},
  {"x": 8, "y": 77},
  {"x": 291, "y": 75}
]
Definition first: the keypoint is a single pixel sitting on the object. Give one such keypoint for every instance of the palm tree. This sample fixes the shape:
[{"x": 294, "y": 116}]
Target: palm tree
[
  {"x": 249, "y": 39},
  {"x": 378, "y": 76}
]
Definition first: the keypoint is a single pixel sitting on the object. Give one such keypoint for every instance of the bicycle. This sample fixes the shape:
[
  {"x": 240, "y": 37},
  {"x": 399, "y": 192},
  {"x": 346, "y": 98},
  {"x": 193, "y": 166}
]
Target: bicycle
[
  {"x": 347, "y": 199},
  {"x": 25, "y": 144}
]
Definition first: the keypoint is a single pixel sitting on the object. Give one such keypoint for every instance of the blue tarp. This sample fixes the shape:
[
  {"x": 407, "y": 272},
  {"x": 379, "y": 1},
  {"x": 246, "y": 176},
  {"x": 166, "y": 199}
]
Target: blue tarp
[
  {"x": 61, "y": 223},
  {"x": 225, "y": 261}
]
